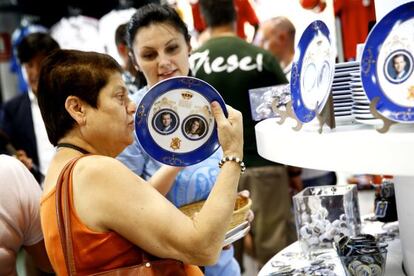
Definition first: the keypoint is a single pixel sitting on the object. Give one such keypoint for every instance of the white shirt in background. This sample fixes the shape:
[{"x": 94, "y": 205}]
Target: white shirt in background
[
  {"x": 45, "y": 149},
  {"x": 19, "y": 212},
  {"x": 78, "y": 33},
  {"x": 107, "y": 27}
]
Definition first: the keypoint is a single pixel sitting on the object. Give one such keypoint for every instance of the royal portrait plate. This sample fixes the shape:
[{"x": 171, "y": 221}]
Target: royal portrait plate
[
  {"x": 387, "y": 64},
  {"x": 312, "y": 71},
  {"x": 174, "y": 122}
]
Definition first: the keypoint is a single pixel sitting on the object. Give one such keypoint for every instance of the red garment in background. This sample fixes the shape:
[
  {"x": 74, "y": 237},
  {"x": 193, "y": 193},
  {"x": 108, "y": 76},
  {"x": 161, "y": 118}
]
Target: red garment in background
[
  {"x": 244, "y": 12},
  {"x": 354, "y": 18}
]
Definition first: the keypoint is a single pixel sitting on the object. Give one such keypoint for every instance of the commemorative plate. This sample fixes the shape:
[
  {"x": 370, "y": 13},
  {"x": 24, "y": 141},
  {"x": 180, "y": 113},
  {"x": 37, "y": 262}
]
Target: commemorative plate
[
  {"x": 174, "y": 122},
  {"x": 312, "y": 71},
  {"x": 387, "y": 64}
]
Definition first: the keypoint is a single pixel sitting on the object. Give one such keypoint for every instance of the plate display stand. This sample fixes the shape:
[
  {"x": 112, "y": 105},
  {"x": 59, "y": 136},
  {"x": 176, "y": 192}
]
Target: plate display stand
[
  {"x": 326, "y": 116},
  {"x": 387, "y": 123},
  {"x": 286, "y": 112}
]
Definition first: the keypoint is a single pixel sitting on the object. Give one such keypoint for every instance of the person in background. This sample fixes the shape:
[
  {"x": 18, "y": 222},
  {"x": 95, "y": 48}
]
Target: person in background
[
  {"x": 115, "y": 215},
  {"x": 19, "y": 217},
  {"x": 22, "y": 122},
  {"x": 277, "y": 35},
  {"x": 132, "y": 77},
  {"x": 245, "y": 13},
  {"x": 233, "y": 66},
  {"x": 160, "y": 43}
]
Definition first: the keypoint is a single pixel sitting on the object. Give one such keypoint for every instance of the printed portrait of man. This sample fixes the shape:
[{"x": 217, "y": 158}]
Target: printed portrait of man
[
  {"x": 165, "y": 122},
  {"x": 399, "y": 67}
]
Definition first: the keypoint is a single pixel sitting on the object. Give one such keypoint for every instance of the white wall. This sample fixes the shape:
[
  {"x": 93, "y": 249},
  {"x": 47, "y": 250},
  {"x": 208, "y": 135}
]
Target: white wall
[{"x": 382, "y": 7}]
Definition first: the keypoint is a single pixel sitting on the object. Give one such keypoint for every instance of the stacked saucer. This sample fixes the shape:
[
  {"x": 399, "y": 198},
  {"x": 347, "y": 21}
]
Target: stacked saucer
[
  {"x": 360, "y": 108},
  {"x": 342, "y": 91}
]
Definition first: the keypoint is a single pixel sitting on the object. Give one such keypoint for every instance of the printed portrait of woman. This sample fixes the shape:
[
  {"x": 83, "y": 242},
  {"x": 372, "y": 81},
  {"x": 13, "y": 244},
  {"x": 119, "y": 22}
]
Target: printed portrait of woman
[
  {"x": 165, "y": 121},
  {"x": 398, "y": 66},
  {"x": 195, "y": 128}
]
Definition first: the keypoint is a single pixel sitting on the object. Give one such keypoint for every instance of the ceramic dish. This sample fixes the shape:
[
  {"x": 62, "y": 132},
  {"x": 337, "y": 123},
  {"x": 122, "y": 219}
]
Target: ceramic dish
[
  {"x": 174, "y": 122},
  {"x": 389, "y": 50},
  {"x": 312, "y": 71}
]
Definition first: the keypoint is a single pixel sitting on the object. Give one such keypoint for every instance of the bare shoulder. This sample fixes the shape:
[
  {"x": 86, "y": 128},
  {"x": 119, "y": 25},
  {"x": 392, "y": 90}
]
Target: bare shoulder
[
  {"x": 99, "y": 167},
  {"x": 97, "y": 163}
]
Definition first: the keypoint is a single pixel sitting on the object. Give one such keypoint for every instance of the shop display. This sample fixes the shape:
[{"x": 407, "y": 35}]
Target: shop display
[
  {"x": 385, "y": 202},
  {"x": 342, "y": 91},
  {"x": 312, "y": 71},
  {"x": 262, "y": 100},
  {"x": 324, "y": 213},
  {"x": 387, "y": 64},
  {"x": 361, "y": 255},
  {"x": 174, "y": 123}
]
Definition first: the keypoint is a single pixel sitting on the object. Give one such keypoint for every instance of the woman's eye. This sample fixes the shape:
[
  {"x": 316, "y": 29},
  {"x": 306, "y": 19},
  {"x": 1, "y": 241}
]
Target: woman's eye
[
  {"x": 172, "y": 48},
  {"x": 148, "y": 56},
  {"x": 120, "y": 97}
]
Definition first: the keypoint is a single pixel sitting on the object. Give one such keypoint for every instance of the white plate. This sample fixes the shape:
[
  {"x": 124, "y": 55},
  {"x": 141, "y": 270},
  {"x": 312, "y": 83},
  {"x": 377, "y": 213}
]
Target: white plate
[
  {"x": 344, "y": 104},
  {"x": 347, "y": 64}
]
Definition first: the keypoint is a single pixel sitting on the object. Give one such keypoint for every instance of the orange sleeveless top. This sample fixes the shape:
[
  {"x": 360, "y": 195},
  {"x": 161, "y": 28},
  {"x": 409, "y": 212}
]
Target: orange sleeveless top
[{"x": 93, "y": 252}]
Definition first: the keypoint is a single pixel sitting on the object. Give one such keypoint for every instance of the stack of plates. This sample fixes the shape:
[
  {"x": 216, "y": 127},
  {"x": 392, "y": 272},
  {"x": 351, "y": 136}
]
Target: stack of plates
[
  {"x": 360, "y": 108},
  {"x": 342, "y": 90}
]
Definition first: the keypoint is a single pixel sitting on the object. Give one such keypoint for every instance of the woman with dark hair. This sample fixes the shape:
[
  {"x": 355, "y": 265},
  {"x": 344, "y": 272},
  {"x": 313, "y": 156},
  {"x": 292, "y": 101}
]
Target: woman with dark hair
[
  {"x": 115, "y": 215},
  {"x": 160, "y": 45}
]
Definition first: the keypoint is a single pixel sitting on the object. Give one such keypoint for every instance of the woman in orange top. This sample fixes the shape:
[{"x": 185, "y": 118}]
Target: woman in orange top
[{"x": 114, "y": 213}]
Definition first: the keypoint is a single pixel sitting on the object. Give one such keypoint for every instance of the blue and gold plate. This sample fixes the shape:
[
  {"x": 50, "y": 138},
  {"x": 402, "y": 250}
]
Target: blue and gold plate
[
  {"x": 174, "y": 122},
  {"x": 312, "y": 71},
  {"x": 387, "y": 64}
]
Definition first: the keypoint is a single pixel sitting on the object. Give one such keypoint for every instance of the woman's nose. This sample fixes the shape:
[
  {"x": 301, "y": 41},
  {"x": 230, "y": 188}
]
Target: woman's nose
[
  {"x": 132, "y": 107},
  {"x": 164, "y": 61}
]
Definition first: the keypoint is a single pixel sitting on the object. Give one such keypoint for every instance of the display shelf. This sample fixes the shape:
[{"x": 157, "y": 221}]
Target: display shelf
[
  {"x": 353, "y": 149},
  {"x": 347, "y": 148},
  {"x": 292, "y": 255}
]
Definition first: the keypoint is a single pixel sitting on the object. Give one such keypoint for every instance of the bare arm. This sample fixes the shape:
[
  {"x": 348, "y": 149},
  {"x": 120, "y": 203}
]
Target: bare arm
[
  {"x": 142, "y": 215},
  {"x": 164, "y": 178}
]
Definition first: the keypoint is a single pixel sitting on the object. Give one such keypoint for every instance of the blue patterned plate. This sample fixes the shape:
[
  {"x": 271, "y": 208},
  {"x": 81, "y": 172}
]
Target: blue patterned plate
[
  {"x": 312, "y": 71},
  {"x": 174, "y": 122},
  {"x": 387, "y": 64}
]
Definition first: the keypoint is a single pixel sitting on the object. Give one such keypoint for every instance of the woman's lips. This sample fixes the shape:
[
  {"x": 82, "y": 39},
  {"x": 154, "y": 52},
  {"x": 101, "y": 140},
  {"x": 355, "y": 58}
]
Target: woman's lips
[{"x": 167, "y": 74}]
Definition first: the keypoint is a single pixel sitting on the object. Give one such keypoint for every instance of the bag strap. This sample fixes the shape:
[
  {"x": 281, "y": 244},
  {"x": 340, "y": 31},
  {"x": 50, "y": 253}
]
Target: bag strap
[{"x": 63, "y": 217}]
